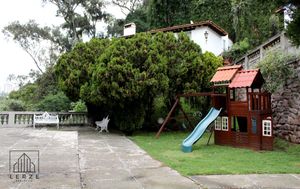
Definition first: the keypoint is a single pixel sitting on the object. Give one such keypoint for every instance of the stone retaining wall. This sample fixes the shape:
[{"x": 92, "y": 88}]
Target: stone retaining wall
[{"x": 286, "y": 108}]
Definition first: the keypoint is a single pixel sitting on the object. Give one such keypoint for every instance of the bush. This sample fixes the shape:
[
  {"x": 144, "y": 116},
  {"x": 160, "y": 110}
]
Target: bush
[
  {"x": 12, "y": 105},
  {"x": 54, "y": 103},
  {"x": 275, "y": 69},
  {"x": 237, "y": 50},
  {"x": 78, "y": 106}
]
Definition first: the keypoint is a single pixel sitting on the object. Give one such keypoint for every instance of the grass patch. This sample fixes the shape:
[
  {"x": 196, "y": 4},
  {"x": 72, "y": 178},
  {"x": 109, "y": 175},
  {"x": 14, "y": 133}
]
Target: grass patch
[{"x": 214, "y": 159}]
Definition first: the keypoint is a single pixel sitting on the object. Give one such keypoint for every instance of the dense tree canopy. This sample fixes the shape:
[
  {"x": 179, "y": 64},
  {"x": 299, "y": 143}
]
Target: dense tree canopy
[
  {"x": 293, "y": 29},
  {"x": 75, "y": 68},
  {"x": 123, "y": 76},
  {"x": 164, "y": 13},
  {"x": 219, "y": 11}
]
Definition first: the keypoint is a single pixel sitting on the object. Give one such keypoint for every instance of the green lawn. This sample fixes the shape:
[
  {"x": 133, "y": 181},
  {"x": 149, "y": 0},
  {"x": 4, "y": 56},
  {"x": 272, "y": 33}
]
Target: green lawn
[{"x": 214, "y": 159}]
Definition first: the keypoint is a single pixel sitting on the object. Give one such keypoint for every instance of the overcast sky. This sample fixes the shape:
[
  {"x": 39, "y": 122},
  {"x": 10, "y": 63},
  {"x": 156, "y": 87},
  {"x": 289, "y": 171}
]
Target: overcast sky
[{"x": 13, "y": 59}]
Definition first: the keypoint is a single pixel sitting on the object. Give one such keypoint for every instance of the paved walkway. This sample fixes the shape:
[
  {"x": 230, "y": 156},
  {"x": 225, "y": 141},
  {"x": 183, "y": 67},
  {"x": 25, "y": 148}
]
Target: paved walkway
[
  {"x": 81, "y": 158},
  {"x": 112, "y": 161}
]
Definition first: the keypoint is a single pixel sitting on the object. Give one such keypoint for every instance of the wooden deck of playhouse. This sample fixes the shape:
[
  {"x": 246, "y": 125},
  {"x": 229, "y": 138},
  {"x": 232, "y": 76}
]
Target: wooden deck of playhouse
[{"x": 246, "y": 120}]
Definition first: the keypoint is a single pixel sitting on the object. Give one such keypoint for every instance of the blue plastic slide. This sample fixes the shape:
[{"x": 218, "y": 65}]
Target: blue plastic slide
[{"x": 199, "y": 129}]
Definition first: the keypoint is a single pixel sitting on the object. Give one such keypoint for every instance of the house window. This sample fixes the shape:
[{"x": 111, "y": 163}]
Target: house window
[
  {"x": 267, "y": 128},
  {"x": 218, "y": 124},
  {"x": 224, "y": 123}
]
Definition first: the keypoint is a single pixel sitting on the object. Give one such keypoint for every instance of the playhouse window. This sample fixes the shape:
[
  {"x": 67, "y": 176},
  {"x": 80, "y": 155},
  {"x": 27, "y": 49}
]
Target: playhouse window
[
  {"x": 239, "y": 124},
  {"x": 254, "y": 125},
  {"x": 224, "y": 123},
  {"x": 232, "y": 94},
  {"x": 218, "y": 123},
  {"x": 240, "y": 94},
  {"x": 267, "y": 128}
]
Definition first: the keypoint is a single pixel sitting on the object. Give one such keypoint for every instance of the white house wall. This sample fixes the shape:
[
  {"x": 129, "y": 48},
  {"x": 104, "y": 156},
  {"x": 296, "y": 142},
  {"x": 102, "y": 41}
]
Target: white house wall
[{"x": 214, "y": 42}]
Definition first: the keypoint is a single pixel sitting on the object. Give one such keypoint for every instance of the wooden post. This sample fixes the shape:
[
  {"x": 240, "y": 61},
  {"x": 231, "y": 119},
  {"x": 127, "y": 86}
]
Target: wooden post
[
  {"x": 167, "y": 118},
  {"x": 212, "y": 129}
]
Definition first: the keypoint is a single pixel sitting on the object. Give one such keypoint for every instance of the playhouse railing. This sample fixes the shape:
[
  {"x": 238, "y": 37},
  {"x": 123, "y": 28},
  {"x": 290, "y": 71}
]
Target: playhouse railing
[
  {"x": 259, "y": 101},
  {"x": 19, "y": 119}
]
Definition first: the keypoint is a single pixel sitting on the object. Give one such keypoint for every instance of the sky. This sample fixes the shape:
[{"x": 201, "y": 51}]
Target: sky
[{"x": 13, "y": 59}]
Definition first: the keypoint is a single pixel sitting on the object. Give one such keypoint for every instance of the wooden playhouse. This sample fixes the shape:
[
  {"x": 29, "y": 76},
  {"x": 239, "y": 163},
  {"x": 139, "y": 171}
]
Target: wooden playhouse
[{"x": 246, "y": 119}]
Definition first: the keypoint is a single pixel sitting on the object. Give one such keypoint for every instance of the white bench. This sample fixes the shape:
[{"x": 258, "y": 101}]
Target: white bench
[
  {"x": 45, "y": 118},
  {"x": 102, "y": 125}
]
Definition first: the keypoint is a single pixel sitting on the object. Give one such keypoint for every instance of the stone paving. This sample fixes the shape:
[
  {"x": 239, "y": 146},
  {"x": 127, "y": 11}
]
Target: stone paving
[
  {"x": 113, "y": 161},
  {"x": 83, "y": 158},
  {"x": 79, "y": 158},
  {"x": 58, "y": 157}
]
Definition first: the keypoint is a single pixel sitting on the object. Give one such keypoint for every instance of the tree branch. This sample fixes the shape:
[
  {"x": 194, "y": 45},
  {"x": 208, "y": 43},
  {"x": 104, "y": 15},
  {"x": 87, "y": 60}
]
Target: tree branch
[
  {"x": 33, "y": 58},
  {"x": 122, "y": 6}
]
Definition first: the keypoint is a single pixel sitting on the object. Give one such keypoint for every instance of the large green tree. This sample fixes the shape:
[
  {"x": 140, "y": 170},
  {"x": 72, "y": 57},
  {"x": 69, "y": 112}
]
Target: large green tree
[
  {"x": 122, "y": 77},
  {"x": 218, "y": 11},
  {"x": 254, "y": 19},
  {"x": 293, "y": 29},
  {"x": 80, "y": 16},
  {"x": 42, "y": 44},
  {"x": 74, "y": 68},
  {"x": 164, "y": 13}
]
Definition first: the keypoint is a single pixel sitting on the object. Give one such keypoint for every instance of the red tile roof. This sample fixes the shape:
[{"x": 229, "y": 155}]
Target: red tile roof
[
  {"x": 244, "y": 78},
  {"x": 187, "y": 27},
  {"x": 225, "y": 74}
]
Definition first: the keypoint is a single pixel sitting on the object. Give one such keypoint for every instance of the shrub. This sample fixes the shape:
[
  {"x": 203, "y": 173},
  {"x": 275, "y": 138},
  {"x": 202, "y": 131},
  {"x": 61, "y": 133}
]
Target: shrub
[
  {"x": 237, "y": 50},
  {"x": 54, "y": 103},
  {"x": 78, "y": 106},
  {"x": 275, "y": 69},
  {"x": 12, "y": 105}
]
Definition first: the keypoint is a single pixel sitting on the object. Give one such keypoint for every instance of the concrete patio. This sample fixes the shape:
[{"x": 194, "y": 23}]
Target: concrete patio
[{"x": 79, "y": 157}]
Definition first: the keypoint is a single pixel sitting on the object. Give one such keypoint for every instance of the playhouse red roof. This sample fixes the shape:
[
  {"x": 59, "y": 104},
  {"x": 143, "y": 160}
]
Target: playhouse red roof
[
  {"x": 225, "y": 74},
  {"x": 246, "y": 78}
]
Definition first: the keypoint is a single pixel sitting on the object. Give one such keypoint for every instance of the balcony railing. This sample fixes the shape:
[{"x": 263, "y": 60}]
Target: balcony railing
[
  {"x": 21, "y": 119},
  {"x": 279, "y": 41},
  {"x": 259, "y": 102}
]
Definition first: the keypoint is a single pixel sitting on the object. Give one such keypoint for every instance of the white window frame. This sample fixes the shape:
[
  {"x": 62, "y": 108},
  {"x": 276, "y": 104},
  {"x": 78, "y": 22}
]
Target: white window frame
[
  {"x": 266, "y": 128},
  {"x": 225, "y": 123},
  {"x": 218, "y": 124}
]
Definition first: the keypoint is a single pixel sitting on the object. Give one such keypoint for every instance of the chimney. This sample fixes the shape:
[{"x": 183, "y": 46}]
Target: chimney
[
  {"x": 286, "y": 11},
  {"x": 129, "y": 29},
  {"x": 286, "y": 16}
]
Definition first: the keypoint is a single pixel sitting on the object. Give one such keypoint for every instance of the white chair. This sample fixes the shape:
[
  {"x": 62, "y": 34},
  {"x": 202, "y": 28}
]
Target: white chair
[{"x": 102, "y": 125}]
